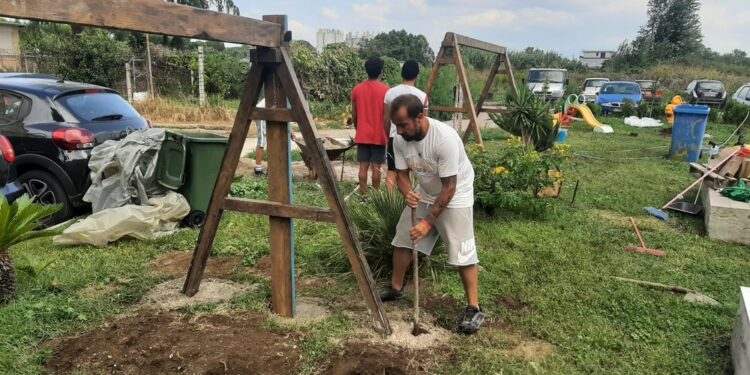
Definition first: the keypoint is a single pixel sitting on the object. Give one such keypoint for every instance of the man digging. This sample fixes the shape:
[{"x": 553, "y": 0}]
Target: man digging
[{"x": 444, "y": 201}]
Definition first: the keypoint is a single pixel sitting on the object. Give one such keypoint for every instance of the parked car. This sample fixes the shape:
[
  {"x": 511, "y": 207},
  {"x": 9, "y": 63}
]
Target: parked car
[
  {"x": 706, "y": 92},
  {"x": 591, "y": 87},
  {"x": 9, "y": 186},
  {"x": 649, "y": 91},
  {"x": 555, "y": 80},
  {"x": 742, "y": 95},
  {"x": 613, "y": 94},
  {"x": 53, "y": 125}
]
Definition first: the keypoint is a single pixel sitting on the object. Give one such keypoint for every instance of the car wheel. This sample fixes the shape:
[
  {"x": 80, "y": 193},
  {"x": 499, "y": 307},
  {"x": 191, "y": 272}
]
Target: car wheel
[{"x": 47, "y": 189}]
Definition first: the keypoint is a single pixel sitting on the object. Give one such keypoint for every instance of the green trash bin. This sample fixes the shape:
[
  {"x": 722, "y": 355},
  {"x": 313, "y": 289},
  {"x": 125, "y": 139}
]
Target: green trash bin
[{"x": 189, "y": 163}]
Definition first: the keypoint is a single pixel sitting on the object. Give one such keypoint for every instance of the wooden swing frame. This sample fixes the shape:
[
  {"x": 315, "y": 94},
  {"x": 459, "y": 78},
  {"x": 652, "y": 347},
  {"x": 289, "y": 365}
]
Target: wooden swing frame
[
  {"x": 271, "y": 68},
  {"x": 450, "y": 54}
]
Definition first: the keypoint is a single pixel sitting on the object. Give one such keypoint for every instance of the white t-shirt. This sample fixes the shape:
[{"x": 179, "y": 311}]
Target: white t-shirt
[
  {"x": 396, "y": 91},
  {"x": 439, "y": 154}
]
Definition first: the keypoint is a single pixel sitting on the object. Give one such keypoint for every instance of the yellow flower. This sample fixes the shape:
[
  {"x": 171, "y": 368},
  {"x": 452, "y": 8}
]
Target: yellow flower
[{"x": 499, "y": 170}]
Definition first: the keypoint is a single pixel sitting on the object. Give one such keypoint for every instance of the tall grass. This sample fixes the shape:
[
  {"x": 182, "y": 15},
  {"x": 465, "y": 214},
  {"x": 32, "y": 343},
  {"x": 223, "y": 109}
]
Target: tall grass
[{"x": 175, "y": 111}]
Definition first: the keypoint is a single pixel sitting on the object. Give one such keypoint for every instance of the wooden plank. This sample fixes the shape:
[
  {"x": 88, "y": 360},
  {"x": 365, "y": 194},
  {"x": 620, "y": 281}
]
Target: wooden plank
[
  {"x": 279, "y": 190},
  {"x": 468, "y": 101},
  {"x": 478, "y": 44},
  {"x": 148, "y": 16},
  {"x": 224, "y": 180},
  {"x": 326, "y": 178},
  {"x": 436, "y": 108},
  {"x": 434, "y": 73},
  {"x": 267, "y": 208},
  {"x": 509, "y": 73},
  {"x": 273, "y": 114},
  {"x": 488, "y": 84}
]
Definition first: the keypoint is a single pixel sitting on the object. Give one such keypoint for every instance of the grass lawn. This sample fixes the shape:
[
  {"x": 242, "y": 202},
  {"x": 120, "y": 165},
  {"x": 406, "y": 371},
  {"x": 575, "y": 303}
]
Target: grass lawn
[{"x": 546, "y": 280}]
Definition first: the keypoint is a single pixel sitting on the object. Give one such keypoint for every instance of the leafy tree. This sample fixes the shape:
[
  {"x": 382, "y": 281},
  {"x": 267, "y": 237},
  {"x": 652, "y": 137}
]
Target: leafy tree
[
  {"x": 399, "y": 45},
  {"x": 531, "y": 57},
  {"x": 90, "y": 56},
  {"x": 224, "y": 6}
]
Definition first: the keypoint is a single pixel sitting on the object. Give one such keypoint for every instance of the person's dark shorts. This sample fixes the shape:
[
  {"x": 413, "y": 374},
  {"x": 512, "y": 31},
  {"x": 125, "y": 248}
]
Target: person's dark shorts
[
  {"x": 374, "y": 154},
  {"x": 389, "y": 156}
]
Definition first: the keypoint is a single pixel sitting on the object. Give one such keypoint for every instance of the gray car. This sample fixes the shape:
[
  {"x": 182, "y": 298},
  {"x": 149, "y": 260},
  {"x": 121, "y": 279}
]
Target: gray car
[
  {"x": 742, "y": 95},
  {"x": 555, "y": 81}
]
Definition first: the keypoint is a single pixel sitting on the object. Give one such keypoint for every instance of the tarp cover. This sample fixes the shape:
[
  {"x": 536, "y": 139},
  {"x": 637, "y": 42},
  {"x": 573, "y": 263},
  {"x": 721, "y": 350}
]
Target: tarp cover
[
  {"x": 124, "y": 171},
  {"x": 143, "y": 222}
]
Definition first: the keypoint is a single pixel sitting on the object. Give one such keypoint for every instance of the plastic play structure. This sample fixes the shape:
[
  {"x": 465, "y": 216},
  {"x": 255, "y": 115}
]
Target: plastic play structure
[
  {"x": 576, "y": 104},
  {"x": 669, "y": 109}
]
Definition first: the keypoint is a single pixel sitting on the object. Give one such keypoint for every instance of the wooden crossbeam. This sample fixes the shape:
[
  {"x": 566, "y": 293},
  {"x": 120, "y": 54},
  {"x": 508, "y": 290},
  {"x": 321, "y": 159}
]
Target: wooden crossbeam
[
  {"x": 438, "y": 108},
  {"x": 478, "y": 44},
  {"x": 267, "y": 208},
  {"x": 272, "y": 114},
  {"x": 148, "y": 16}
]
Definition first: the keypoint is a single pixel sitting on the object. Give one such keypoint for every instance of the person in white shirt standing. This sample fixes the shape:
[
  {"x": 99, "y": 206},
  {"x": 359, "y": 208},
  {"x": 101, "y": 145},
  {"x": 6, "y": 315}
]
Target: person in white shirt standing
[
  {"x": 443, "y": 200},
  {"x": 409, "y": 73}
]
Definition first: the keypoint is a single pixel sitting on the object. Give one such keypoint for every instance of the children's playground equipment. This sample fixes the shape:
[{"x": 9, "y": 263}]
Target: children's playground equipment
[
  {"x": 669, "y": 109},
  {"x": 576, "y": 104}
]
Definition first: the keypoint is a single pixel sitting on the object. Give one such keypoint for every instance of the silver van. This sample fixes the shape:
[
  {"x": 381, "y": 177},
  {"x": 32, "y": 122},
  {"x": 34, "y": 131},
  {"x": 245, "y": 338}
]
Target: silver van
[{"x": 554, "y": 80}]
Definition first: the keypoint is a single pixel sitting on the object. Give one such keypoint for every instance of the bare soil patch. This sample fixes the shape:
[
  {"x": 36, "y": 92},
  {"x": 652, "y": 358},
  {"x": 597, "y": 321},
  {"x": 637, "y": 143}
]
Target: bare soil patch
[
  {"x": 168, "y": 295},
  {"x": 177, "y": 264},
  {"x": 367, "y": 359},
  {"x": 514, "y": 305},
  {"x": 168, "y": 343}
]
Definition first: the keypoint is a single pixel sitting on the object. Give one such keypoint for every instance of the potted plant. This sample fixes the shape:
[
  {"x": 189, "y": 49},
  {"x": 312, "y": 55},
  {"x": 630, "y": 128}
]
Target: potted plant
[{"x": 19, "y": 222}]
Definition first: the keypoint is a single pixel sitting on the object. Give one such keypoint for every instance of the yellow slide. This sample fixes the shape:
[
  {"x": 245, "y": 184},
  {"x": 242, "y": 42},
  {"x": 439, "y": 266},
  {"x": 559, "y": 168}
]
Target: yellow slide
[{"x": 591, "y": 119}]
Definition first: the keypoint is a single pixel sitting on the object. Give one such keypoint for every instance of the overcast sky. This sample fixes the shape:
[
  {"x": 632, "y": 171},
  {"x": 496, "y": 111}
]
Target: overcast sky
[{"x": 566, "y": 26}]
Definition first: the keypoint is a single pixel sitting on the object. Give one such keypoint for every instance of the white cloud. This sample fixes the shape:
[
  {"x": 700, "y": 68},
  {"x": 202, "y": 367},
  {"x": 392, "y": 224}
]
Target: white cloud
[
  {"x": 330, "y": 13},
  {"x": 300, "y": 31},
  {"x": 375, "y": 12},
  {"x": 725, "y": 25},
  {"x": 490, "y": 18}
]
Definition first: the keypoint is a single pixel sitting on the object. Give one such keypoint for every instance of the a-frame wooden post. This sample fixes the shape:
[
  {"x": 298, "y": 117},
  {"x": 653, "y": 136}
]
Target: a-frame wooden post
[
  {"x": 450, "y": 54},
  {"x": 273, "y": 66}
]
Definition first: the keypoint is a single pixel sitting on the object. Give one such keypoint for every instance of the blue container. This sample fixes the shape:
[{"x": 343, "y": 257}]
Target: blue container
[
  {"x": 687, "y": 134},
  {"x": 562, "y": 136}
]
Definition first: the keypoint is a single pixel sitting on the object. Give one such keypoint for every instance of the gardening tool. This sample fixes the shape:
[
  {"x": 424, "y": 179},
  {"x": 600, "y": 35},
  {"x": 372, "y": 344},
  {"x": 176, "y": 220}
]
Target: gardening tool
[
  {"x": 660, "y": 214},
  {"x": 689, "y": 295},
  {"x": 643, "y": 249},
  {"x": 416, "y": 330}
]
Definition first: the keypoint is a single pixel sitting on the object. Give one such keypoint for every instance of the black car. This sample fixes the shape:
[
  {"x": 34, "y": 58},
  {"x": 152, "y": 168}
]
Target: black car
[
  {"x": 53, "y": 125},
  {"x": 707, "y": 92},
  {"x": 9, "y": 186}
]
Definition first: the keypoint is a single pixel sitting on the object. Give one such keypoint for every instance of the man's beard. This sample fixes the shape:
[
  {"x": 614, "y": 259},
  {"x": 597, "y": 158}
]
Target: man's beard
[{"x": 418, "y": 136}]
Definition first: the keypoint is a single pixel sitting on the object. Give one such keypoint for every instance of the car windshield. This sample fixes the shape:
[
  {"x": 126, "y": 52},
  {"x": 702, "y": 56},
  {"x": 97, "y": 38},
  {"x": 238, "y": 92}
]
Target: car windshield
[
  {"x": 594, "y": 82},
  {"x": 712, "y": 86},
  {"x": 99, "y": 106},
  {"x": 646, "y": 85},
  {"x": 621, "y": 88},
  {"x": 555, "y": 76}
]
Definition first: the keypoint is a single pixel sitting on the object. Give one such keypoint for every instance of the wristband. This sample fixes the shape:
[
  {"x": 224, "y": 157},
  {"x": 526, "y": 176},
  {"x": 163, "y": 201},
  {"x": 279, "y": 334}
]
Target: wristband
[{"x": 429, "y": 226}]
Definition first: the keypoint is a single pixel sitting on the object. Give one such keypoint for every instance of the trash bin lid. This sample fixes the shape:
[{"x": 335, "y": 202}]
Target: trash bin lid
[
  {"x": 170, "y": 171},
  {"x": 692, "y": 109}
]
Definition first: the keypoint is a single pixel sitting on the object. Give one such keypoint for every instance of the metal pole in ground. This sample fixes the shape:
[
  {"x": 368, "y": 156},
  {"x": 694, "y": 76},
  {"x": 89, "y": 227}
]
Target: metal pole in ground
[
  {"x": 201, "y": 79},
  {"x": 151, "y": 92},
  {"x": 128, "y": 83}
]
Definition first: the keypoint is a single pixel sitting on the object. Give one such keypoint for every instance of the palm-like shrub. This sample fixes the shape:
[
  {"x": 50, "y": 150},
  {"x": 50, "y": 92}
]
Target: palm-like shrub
[
  {"x": 528, "y": 117},
  {"x": 19, "y": 222}
]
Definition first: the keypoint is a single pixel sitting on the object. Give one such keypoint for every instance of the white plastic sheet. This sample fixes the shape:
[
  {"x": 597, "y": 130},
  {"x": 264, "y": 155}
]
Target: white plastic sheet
[
  {"x": 124, "y": 171},
  {"x": 646, "y": 122},
  {"x": 143, "y": 222}
]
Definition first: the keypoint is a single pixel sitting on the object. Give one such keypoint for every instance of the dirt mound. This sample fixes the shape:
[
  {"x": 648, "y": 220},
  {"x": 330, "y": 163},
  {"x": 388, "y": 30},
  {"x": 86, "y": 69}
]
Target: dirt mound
[
  {"x": 364, "y": 359},
  {"x": 168, "y": 295},
  {"x": 514, "y": 305},
  {"x": 166, "y": 343},
  {"x": 177, "y": 264}
]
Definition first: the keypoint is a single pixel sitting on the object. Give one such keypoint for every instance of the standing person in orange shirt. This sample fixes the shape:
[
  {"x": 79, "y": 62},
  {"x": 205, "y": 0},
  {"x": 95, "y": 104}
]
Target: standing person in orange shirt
[{"x": 367, "y": 115}]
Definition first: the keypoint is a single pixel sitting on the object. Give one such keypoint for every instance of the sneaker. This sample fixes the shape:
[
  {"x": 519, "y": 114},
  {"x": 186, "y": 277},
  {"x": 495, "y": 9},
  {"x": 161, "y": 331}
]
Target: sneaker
[
  {"x": 390, "y": 294},
  {"x": 472, "y": 320}
]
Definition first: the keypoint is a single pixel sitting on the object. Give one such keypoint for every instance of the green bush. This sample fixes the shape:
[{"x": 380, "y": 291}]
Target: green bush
[
  {"x": 596, "y": 109},
  {"x": 528, "y": 117},
  {"x": 735, "y": 112},
  {"x": 628, "y": 109},
  {"x": 510, "y": 179}
]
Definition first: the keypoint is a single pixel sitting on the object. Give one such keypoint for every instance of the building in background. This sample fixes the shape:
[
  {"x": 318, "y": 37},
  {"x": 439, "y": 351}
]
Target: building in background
[
  {"x": 10, "y": 46},
  {"x": 328, "y": 36},
  {"x": 595, "y": 59},
  {"x": 355, "y": 40}
]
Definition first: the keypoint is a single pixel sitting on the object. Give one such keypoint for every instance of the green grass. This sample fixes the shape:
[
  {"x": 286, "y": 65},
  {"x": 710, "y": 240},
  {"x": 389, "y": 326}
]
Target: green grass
[{"x": 560, "y": 267}]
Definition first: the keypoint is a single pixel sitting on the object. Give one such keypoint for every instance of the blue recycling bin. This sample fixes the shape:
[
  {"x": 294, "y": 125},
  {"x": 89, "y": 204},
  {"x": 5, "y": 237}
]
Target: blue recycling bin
[{"x": 687, "y": 133}]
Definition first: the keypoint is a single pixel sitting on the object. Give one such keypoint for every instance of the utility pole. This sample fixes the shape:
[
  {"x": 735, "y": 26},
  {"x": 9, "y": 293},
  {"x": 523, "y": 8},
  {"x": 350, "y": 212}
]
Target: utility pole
[
  {"x": 128, "y": 83},
  {"x": 148, "y": 61},
  {"x": 201, "y": 79}
]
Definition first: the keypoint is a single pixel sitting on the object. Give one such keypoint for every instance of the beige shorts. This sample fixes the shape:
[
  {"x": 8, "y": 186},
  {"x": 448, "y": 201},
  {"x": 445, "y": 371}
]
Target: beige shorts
[{"x": 455, "y": 226}]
